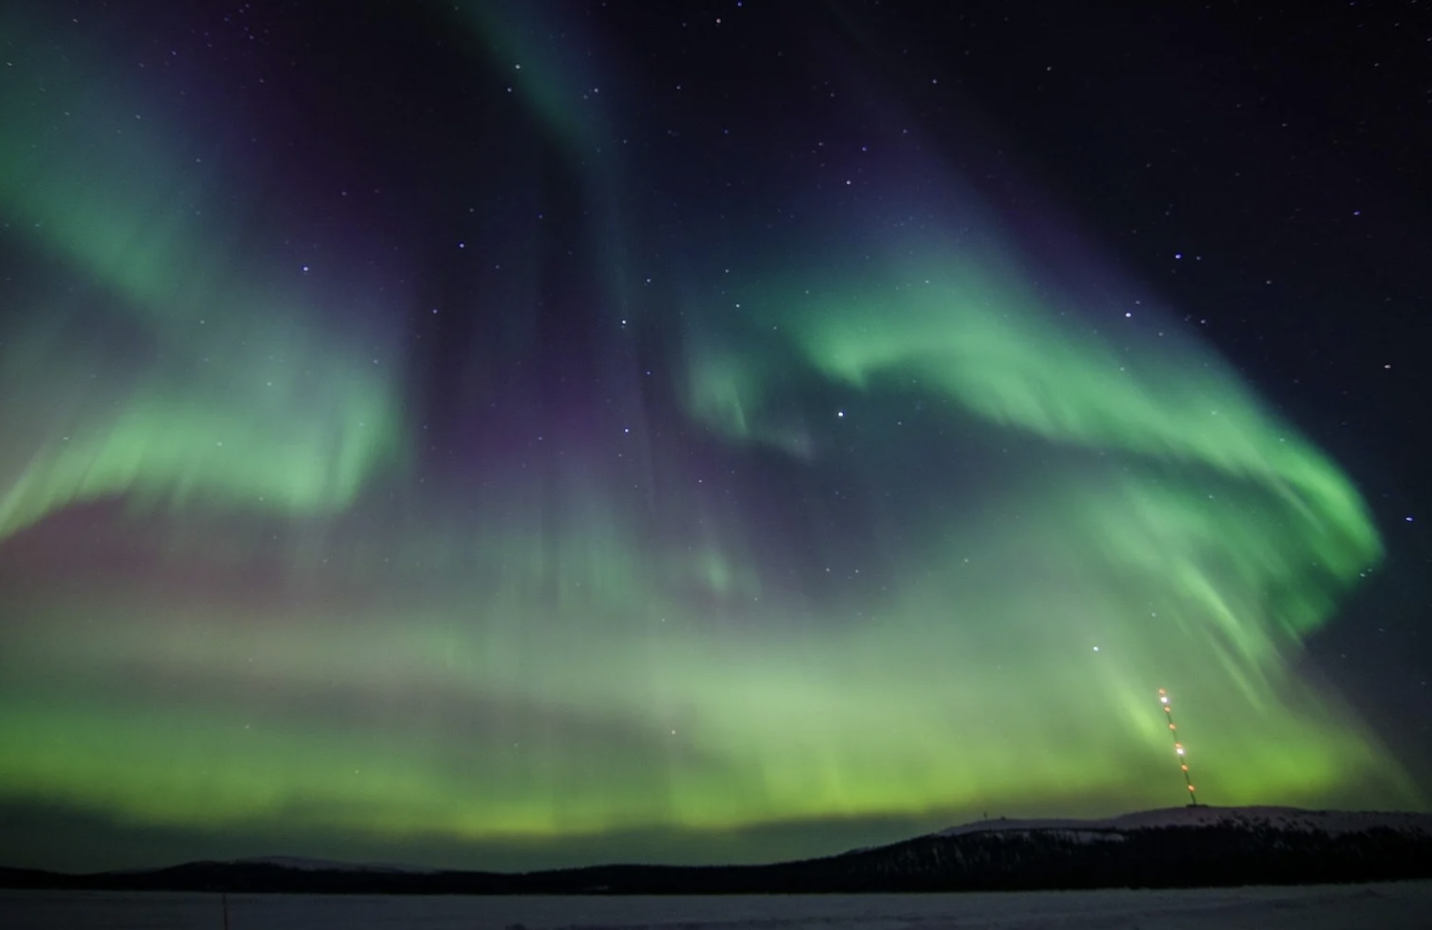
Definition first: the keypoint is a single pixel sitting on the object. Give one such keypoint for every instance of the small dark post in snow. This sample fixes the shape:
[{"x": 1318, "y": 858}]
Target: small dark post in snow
[{"x": 224, "y": 901}]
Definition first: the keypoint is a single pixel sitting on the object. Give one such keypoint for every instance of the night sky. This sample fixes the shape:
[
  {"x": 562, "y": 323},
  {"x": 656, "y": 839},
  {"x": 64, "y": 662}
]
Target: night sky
[{"x": 525, "y": 434}]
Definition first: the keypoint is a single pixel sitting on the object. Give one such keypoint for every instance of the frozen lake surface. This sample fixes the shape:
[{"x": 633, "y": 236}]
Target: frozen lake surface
[{"x": 1399, "y": 906}]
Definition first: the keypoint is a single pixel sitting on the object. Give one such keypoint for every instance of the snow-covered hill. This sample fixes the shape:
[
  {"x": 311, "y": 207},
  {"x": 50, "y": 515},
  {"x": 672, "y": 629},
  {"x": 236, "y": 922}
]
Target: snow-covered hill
[{"x": 1333, "y": 823}]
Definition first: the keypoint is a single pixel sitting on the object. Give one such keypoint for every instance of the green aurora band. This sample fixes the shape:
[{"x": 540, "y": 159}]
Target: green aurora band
[
  {"x": 194, "y": 355},
  {"x": 233, "y": 600}
]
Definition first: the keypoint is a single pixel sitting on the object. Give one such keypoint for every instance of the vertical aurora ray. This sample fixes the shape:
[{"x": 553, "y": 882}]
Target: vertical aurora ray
[{"x": 877, "y": 525}]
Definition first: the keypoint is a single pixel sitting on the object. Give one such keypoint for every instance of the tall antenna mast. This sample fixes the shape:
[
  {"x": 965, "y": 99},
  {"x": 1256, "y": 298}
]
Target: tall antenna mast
[{"x": 1178, "y": 747}]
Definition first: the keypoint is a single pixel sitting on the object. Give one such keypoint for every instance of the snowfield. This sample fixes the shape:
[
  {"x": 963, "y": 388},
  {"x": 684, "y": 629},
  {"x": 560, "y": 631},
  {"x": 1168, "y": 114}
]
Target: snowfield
[{"x": 1400, "y": 906}]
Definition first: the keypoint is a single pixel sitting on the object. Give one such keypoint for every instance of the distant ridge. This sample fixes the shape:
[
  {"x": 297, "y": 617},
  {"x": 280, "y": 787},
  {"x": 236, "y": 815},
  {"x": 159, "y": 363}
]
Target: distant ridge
[
  {"x": 305, "y": 864},
  {"x": 1284, "y": 818},
  {"x": 1176, "y": 847}
]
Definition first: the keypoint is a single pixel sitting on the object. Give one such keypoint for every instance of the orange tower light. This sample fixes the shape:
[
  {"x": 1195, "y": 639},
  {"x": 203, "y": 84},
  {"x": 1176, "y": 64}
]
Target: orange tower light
[{"x": 1178, "y": 747}]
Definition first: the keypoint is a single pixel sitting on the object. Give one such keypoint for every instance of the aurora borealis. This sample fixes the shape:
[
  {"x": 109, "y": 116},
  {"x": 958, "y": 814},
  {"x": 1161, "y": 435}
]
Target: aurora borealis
[{"x": 510, "y": 435}]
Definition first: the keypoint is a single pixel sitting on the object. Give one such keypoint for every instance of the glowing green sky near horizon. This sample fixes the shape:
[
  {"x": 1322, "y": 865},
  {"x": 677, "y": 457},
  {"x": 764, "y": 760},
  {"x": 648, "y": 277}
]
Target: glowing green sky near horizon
[{"x": 947, "y": 539}]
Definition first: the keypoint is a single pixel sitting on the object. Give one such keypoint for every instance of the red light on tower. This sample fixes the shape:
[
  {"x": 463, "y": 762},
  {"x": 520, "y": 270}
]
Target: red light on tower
[{"x": 1178, "y": 747}]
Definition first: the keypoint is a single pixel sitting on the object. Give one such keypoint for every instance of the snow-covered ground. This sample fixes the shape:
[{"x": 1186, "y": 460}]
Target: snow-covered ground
[{"x": 1400, "y": 906}]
